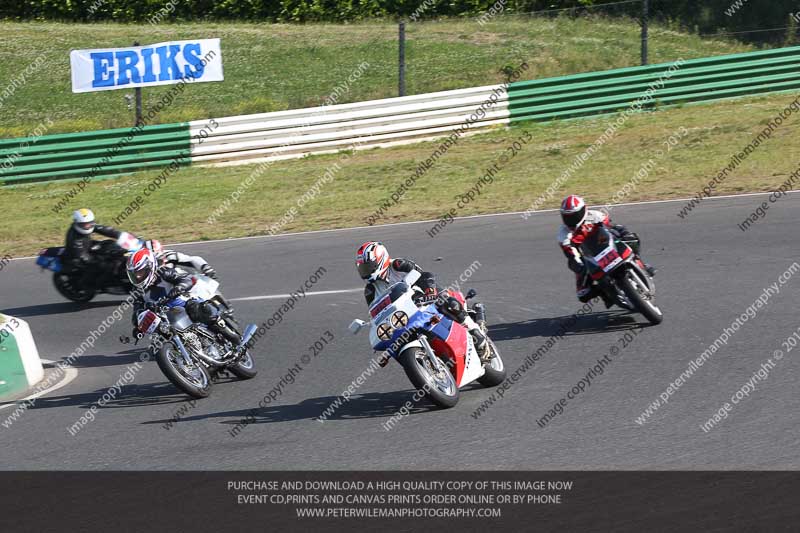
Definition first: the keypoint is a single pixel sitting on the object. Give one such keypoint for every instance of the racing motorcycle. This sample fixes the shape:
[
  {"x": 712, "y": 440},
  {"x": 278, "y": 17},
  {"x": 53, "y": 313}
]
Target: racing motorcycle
[
  {"x": 614, "y": 267},
  {"x": 188, "y": 353},
  {"x": 112, "y": 253},
  {"x": 437, "y": 353}
]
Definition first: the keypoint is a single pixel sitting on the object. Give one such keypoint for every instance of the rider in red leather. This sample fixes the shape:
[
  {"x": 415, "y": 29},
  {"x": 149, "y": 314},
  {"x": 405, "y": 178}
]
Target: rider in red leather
[{"x": 579, "y": 224}]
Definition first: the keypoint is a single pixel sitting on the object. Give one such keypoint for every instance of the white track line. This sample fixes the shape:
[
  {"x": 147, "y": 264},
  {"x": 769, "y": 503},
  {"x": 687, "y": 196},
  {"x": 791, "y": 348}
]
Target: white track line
[
  {"x": 277, "y": 296},
  {"x": 300, "y": 233},
  {"x": 313, "y": 232},
  {"x": 69, "y": 375}
]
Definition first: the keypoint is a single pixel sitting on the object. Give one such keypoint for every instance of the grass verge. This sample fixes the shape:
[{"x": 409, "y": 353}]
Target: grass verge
[
  {"x": 270, "y": 67},
  {"x": 355, "y": 187}
]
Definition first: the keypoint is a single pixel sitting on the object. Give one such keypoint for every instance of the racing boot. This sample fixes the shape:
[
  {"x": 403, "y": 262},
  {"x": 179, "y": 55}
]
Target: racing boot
[
  {"x": 583, "y": 288},
  {"x": 231, "y": 336},
  {"x": 651, "y": 271},
  {"x": 481, "y": 344},
  {"x": 608, "y": 300}
]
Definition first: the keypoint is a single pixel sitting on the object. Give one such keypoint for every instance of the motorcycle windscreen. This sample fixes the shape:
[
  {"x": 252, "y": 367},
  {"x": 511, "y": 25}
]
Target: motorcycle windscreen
[
  {"x": 203, "y": 288},
  {"x": 596, "y": 243},
  {"x": 394, "y": 293}
]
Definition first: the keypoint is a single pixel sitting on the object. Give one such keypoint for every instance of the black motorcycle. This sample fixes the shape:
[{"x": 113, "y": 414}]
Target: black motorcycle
[
  {"x": 108, "y": 257},
  {"x": 614, "y": 268}
]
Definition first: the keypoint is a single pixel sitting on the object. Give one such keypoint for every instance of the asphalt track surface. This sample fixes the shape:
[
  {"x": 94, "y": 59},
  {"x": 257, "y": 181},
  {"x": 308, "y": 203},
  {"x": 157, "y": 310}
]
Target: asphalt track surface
[{"x": 709, "y": 273}]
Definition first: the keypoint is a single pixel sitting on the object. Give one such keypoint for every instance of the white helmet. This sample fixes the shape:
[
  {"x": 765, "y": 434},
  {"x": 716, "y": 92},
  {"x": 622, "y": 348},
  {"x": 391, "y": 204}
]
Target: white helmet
[
  {"x": 372, "y": 261},
  {"x": 83, "y": 221}
]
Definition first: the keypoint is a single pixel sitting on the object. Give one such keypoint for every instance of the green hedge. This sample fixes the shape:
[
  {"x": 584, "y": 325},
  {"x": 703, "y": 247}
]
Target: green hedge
[{"x": 705, "y": 16}]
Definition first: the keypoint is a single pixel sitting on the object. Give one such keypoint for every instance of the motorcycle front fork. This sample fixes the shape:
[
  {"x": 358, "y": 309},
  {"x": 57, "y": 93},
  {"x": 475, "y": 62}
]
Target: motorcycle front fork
[{"x": 182, "y": 349}]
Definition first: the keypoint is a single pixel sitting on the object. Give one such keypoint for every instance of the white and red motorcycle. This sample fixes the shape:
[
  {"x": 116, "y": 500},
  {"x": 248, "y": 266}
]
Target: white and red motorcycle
[{"x": 437, "y": 353}]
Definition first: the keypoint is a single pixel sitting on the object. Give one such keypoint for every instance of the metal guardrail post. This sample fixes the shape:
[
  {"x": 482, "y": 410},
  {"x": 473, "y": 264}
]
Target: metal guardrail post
[
  {"x": 138, "y": 99},
  {"x": 401, "y": 82},
  {"x": 645, "y": 15}
]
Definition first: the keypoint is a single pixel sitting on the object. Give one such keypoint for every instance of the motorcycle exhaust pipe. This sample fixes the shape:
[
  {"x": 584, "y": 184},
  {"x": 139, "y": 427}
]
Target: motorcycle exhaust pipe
[
  {"x": 188, "y": 357},
  {"x": 249, "y": 331}
]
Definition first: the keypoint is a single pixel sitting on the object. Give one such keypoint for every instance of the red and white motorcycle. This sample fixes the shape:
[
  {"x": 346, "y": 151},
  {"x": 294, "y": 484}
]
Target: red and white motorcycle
[{"x": 437, "y": 353}]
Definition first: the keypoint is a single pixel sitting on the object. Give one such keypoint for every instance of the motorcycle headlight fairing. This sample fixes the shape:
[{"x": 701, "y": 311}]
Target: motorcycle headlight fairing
[
  {"x": 384, "y": 332},
  {"x": 399, "y": 319}
]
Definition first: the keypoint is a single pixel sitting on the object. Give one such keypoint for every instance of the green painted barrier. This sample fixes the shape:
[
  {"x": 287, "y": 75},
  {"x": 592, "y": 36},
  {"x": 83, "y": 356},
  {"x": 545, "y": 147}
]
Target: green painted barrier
[
  {"x": 93, "y": 154},
  {"x": 12, "y": 371},
  {"x": 666, "y": 84}
]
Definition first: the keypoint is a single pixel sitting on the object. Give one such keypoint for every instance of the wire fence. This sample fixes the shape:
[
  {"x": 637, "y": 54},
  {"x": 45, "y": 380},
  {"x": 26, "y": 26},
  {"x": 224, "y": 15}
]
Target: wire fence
[{"x": 336, "y": 64}]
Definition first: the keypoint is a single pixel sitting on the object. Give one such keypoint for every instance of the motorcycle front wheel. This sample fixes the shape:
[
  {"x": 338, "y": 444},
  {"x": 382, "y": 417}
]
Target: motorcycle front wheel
[
  {"x": 495, "y": 370},
  {"x": 67, "y": 286},
  {"x": 639, "y": 296},
  {"x": 194, "y": 380},
  {"x": 434, "y": 380}
]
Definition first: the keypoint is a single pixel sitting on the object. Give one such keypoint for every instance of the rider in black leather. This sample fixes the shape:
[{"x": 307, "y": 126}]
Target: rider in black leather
[
  {"x": 426, "y": 282},
  {"x": 154, "y": 284},
  {"x": 77, "y": 248}
]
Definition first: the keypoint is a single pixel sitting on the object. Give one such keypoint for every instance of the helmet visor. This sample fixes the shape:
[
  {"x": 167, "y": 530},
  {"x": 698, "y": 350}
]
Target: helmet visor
[
  {"x": 366, "y": 269},
  {"x": 138, "y": 277},
  {"x": 88, "y": 226},
  {"x": 571, "y": 220}
]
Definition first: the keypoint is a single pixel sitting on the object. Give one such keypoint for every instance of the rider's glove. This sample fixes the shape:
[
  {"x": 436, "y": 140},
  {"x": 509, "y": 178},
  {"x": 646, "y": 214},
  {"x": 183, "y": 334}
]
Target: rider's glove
[
  {"x": 208, "y": 271},
  {"x": 429, "y": 295},
  {"x": 174, "y": 293}
]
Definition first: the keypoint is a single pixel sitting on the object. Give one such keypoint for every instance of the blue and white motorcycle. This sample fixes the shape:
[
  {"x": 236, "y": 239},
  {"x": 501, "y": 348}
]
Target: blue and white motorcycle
[
  {"x": 114, "y": 253},
  {"x": 437, "y": 353}
]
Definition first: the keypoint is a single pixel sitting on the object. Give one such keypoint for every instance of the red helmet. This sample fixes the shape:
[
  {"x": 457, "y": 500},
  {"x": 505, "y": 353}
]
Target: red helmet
[
  {"x": 142, "y": 268},
  {"x": 372, "y": 260},
  {"x": 573, "y": 211}
]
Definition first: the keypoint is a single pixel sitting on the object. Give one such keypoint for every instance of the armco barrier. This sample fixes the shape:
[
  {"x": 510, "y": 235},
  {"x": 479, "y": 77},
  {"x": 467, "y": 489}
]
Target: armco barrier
[
  {"x": 288, "y": 134},
  {"x": 92, "y": 154},
  {"x": 330, "y": 128},
  {"x": 20, "y": 366},
  {"x": 696, "y": 80}
]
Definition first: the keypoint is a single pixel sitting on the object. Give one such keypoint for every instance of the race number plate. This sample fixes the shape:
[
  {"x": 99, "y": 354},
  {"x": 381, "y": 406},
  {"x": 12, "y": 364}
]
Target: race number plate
[
  {"x": 148, "y": 322},
  {"x": 609, "y": 260}
]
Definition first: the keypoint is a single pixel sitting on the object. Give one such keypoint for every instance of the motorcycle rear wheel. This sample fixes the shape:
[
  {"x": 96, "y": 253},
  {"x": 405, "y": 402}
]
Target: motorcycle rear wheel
[
  {"x": 65, "y": 285},
  {"x": 245, "y": 368},
  {"x": 169, "y": 358},
  {"x": 442, "y": 391},
  {"x": 644, "y": 304}
]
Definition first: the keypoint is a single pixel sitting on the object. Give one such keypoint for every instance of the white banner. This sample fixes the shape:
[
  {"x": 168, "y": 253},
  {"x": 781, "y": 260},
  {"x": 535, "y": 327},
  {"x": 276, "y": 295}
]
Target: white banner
[{"x": 104, "y": 69}]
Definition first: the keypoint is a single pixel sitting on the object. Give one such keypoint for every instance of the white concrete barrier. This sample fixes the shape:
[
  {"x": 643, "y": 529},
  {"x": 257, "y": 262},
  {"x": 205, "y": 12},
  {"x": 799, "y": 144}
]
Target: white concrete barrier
[{"x": 20, "y": 366}]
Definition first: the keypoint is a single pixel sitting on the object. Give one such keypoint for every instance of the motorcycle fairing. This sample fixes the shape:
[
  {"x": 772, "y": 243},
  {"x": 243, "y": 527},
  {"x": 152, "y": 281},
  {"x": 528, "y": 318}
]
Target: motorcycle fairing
[
  {"x": 454, "y": 346},
  {"x": 49, "y": 262}
]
